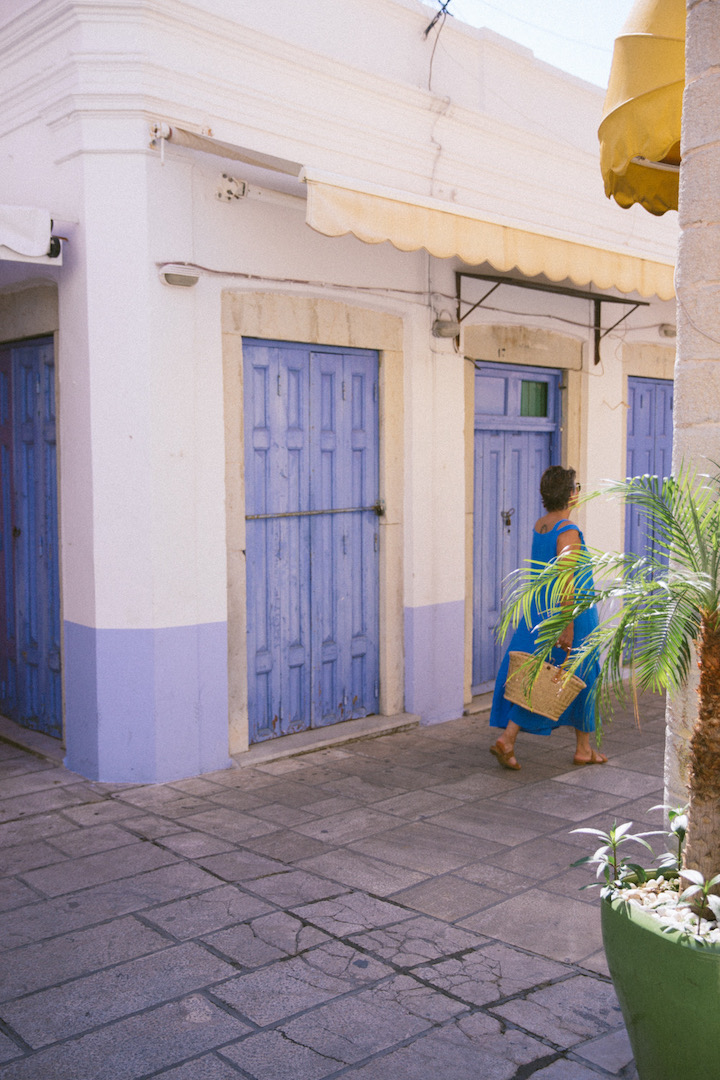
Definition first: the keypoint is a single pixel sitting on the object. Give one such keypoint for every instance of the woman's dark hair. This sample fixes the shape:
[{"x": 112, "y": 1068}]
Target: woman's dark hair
[{"x": 556, "y": 487}]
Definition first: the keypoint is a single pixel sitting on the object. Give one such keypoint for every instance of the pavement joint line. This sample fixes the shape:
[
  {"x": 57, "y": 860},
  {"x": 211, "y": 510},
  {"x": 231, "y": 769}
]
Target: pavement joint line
[{"x": 327, "y": 783}]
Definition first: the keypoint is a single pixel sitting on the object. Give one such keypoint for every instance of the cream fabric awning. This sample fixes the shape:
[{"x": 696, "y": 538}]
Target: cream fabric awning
[
  {"x": 640, "y": 130},
  {"x": 373, "y": 214},
  {"x": 25, "y": 230},
  {"x": 206, "y": 145}
]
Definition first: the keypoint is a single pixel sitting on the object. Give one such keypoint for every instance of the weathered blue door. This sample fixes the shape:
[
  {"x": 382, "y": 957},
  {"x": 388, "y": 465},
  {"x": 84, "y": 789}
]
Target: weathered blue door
[
  {"x": 516, "y": 439},
  {"x": 311, "y": 473},
  {"x": 30, "y": 680},
  {"x": 649, "y": 448}
]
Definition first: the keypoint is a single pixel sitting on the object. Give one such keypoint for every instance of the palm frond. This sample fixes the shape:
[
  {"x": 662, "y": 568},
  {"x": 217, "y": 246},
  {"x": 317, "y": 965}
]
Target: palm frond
[{"x": 655, "y": 602}]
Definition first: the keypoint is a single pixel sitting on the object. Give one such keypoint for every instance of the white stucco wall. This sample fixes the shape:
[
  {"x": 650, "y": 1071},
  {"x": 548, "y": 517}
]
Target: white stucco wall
[{"x": 344, "y": 87}]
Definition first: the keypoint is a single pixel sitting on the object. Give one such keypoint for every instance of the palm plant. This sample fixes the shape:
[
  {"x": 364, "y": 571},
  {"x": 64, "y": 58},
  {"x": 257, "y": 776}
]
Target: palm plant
[{"x": 665, "y": 611}]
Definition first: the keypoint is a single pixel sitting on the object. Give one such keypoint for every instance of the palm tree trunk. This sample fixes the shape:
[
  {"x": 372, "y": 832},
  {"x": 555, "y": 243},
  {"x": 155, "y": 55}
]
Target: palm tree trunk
[{"x": 702, "y": 848}]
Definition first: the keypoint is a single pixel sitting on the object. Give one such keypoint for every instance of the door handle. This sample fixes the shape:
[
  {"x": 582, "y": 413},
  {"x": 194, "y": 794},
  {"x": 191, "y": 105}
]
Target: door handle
[{"x": 506, "y": 515}]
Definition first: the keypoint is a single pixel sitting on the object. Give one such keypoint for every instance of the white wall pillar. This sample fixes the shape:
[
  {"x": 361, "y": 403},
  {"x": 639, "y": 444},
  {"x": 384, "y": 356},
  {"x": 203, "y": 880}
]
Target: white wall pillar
[
  {"x": 697, "y": 369},
  {"x": 435, "y": 537},
  {"x": 143, "y": 557}
]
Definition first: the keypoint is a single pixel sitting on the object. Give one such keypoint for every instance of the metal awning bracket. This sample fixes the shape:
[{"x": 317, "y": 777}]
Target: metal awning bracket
[{"x": 560, "y": 290}]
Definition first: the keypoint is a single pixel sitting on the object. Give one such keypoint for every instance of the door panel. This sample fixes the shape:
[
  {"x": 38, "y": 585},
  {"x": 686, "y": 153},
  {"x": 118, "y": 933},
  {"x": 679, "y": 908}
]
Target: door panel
[
  {"x": 30, "y": 675},
  {"x": 516, "y": 439},
  {"x": 649, "y": 448},
  {"x": 311, "y": 437}
]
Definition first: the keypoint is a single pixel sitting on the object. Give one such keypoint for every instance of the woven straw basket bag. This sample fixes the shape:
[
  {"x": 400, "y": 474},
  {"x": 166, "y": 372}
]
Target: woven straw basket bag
[{"x": 553, "y": 690}]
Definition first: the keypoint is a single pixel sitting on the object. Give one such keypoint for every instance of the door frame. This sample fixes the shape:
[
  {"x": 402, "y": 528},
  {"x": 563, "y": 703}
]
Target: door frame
[
  {"x": 523, "y": 347},
  {"x": 299, "y": 578},
  {"x": 484, "y": 422},
  {"x": 30, "y": 315},
  {"x": 312, "y": 321},
  {"x": 644, "y": 362}
]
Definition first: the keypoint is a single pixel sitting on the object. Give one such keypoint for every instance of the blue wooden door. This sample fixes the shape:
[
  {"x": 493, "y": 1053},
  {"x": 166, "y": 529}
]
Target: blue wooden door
[
  {"x": 516, "y": 439},
  {"x": 311, "y": 470},
  {"x": 30, "y": 676},
  {"x": 649, "y": 448}
]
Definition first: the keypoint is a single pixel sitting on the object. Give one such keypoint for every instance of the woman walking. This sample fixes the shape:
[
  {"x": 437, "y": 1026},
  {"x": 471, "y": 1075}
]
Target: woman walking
[{"x": 553, "y": 535}]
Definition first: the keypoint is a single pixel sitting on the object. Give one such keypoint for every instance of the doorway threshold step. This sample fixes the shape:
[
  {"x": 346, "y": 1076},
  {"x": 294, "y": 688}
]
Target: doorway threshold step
[
  {"x": 481, "y": 703},
  {"x": 304, "y": 742}
]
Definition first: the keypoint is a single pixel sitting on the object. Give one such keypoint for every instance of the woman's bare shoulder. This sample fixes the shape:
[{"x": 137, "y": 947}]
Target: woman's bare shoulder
[{"x": 545, "y": 524}]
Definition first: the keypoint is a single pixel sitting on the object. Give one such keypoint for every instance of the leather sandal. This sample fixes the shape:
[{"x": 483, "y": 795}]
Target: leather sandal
[
  {"x": 596, "y": 758},
  {"x": 504, "y": 756}
]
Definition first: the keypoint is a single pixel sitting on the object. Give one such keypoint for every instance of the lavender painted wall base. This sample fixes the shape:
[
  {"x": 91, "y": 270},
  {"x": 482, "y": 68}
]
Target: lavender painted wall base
[
  {"x": 146, "y": 706},
  {"x": 434, "y": 661}
]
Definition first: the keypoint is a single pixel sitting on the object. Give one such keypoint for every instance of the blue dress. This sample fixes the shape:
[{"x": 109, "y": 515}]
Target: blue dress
[{"x": 580, "y": 713}]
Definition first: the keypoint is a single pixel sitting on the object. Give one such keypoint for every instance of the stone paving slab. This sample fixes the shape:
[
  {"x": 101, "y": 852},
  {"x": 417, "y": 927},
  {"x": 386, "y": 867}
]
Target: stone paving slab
[
  {"x": 33, "y": 967},
  {"x": 267, "y": 938},
  {"x": 135, "y": 1047},
  {"x": 416, "y": 940},
  {"x": 212, "y": 910},
  {"x": 490, "y": 974},
  {"x": 40, "y": 827},
  {"x": 393, "y": 909},
  {"x": 351, "y": 1029},
  {"x": 425, "y": 847},
  {"x": 566, "y": 1013},
  {"x": 208, "y": 1067},
  {"x": 351, "y": 913},
  {"x": 474, "y": 1047},
  {"x": 294, "y": 887},
  {"x": 85, "y": 1003},
  {"x": 292, "y": 986},
  {"x": 359, "y": 871},
  {"x": 448, "y": 897},
  {"x": 128, "y": 861},
  {"x": 558, "y": 927},
  {"x": 51, "y": 917}
]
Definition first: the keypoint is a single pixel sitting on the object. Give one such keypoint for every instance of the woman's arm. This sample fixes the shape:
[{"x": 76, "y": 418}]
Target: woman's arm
[{"x": 567, "y": 543}]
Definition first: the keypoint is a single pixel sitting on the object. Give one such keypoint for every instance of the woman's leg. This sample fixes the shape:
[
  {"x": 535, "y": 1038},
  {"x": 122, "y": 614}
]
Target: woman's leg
[{"x": 585, "y": 754}]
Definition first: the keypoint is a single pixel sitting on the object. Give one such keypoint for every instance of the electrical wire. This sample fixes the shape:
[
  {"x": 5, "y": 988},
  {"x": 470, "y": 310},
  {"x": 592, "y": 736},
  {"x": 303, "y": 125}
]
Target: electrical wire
[{"x": 546, "y": 30}]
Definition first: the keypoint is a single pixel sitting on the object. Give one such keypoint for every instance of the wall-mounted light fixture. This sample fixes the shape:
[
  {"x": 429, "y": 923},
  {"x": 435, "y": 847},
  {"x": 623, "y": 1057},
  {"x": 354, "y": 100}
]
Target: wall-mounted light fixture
[
  {"x": 184, "y": 276},
  {"x": 445, "y": 328}
]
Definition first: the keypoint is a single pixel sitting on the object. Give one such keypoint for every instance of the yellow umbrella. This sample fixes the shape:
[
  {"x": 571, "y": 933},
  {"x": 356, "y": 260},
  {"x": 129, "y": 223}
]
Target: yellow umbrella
[{"x": 640, "y": 130}]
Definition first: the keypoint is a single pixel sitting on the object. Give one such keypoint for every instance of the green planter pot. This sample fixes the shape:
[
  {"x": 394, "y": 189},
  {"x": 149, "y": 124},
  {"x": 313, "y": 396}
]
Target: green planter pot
[{"x": 669, "y": 992}]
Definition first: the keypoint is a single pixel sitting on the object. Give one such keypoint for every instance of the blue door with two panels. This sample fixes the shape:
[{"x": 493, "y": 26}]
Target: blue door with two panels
[
  {"x": 312, "y": 542},
  {"x": 30, "y": 675},
  {"x": 517, "y": 425}
]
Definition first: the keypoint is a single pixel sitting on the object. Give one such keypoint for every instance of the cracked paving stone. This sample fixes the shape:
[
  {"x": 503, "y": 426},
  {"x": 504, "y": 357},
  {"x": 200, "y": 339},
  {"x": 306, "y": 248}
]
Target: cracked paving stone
[
  {"x": 271, "y": 1055},
  {"x": 416, "y": 940},
  {"x": 209, "y": 911},
  {"x": 290, "y": 986},
  {"x": 271, "y": 937},
  {"x": 371, "y": 1021},
  {"x": 471, "y": 1047},
  {"x": 568, "y": 1012},
  {"x": 489, "y": 974},
  {"x": 294, "y": 887},
  {"x": 352, "y": 913}
]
